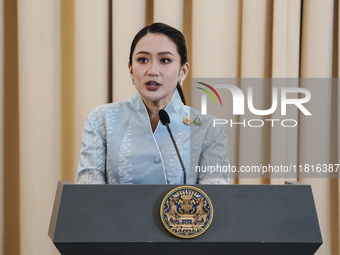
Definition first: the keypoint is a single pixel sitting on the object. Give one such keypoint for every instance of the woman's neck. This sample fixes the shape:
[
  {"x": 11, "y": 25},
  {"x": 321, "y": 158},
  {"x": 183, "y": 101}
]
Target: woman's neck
[
  {"x": 153, "y": 109},
  {"x": 154, "y": 119}
]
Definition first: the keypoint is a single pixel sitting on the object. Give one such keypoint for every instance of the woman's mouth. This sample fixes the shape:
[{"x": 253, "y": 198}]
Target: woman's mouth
[{"x": 152, "y": 85}]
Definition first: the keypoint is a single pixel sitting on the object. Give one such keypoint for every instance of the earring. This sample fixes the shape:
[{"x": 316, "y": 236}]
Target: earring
[
  {"x": 181, "y": 82},
  {"x": 133, "y": 82}
]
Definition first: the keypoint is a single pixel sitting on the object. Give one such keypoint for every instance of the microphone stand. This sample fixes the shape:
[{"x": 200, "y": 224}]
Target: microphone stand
[{"x": 179, "y": 156}]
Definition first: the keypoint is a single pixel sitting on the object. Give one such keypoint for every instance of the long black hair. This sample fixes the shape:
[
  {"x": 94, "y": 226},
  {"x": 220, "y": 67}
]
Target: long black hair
[{"x": 175, "y": 35}]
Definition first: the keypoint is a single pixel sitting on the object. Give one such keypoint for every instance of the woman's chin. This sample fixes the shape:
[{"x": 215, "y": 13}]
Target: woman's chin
[{"x": 157, "y": 99}]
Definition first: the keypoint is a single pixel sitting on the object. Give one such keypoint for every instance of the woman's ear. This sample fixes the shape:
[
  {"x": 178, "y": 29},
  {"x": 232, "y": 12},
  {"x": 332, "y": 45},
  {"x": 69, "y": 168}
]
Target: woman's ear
[
  {"x": 184, "y": 71},
  {"x": 130, "y": 68}
]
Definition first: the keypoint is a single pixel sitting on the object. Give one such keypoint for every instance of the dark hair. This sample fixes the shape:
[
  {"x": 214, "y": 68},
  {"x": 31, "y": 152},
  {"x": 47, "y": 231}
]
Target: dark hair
[{"x": 175, "y": 35}]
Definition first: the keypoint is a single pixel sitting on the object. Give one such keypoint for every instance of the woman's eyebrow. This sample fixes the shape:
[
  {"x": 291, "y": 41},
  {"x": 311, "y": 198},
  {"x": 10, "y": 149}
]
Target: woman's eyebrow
[
  {"x": 160, "y": 53},
  {"x": 143, "y": 52},
  {"x": 165, "y": 53}
]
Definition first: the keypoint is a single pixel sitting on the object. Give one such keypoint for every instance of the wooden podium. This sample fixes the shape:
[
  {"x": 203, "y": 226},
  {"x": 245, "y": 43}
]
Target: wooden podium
[{"x": 125, "y": 219}]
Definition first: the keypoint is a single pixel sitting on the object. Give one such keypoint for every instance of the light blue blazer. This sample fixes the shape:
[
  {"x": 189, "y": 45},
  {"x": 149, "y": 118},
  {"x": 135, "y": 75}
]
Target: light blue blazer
[{"x": 119, "y": 147}]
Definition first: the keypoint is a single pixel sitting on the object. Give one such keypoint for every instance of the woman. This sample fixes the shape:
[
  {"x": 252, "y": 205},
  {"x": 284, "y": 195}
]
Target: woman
[{"x": 123, "y": 143}]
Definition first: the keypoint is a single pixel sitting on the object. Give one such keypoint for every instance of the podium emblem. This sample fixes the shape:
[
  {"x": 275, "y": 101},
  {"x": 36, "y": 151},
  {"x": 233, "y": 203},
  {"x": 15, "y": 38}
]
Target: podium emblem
[{"x": 186, "y": 212}]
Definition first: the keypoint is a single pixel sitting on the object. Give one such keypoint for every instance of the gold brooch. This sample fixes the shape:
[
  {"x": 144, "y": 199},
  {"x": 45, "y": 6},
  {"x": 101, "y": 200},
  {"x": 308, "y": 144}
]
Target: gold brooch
[
  {"x": 187, "y": 120},
  {"x": 186, "y": 212}
]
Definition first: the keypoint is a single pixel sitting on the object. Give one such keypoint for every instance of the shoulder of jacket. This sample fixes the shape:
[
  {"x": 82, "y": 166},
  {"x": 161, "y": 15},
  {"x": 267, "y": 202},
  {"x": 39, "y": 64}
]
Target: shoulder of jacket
[
  {"x": 205, "y": 118},
  {"x": 117, "y": 107}
]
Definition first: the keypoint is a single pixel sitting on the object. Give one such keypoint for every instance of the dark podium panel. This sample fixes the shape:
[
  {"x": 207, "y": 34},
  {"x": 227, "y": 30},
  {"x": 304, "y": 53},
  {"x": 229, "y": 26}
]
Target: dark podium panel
[{"x": 125, "y": 219}]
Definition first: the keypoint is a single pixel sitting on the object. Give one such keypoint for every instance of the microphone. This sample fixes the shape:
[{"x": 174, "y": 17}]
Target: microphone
[{"x": 165, "y": 119}]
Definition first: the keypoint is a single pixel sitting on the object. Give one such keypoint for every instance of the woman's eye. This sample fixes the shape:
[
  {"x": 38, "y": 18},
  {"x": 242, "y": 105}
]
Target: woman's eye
[
  {"x": 165, "y": 60},
  {"x": 142, "y": 60}
]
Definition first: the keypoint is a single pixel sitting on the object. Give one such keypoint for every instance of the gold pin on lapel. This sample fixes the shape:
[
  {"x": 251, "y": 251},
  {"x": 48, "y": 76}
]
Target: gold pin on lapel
[{"x": 187, "y": 120}]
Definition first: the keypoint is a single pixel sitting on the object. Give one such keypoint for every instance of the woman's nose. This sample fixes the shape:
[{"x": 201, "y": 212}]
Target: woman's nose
[{"x": 153, "y": 70}]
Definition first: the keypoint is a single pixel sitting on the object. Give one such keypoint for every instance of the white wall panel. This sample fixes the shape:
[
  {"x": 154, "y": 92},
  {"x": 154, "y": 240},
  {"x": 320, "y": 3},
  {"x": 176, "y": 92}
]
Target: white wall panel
[
  {"x": 215, "y": 38},
  {"x": 1, "y": 118},
  {"x": 169, "y": 12},
  {"x": 316, "y": 62},
  {"x": 127, "y": 19},
  {"x": 91, "y": 62},
  {"x": 286, "y": 55},
  {"x": 253, "y": 59},
  {"x": 39, "y": 95},
  {"x": 215, "y": 49}
]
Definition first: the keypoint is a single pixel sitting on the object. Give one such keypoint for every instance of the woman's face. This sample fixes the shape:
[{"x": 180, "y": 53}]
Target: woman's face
[{"x": 156, "y": 69}]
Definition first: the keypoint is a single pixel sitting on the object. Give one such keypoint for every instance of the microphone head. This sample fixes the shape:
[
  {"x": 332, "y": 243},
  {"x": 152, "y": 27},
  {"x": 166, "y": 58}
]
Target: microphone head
[{"x": 164, "y": 117}]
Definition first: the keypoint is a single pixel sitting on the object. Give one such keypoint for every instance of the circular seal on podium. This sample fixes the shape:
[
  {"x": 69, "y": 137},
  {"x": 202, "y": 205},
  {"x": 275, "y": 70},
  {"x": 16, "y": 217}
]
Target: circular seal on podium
[{"x": 186, "y": 212}]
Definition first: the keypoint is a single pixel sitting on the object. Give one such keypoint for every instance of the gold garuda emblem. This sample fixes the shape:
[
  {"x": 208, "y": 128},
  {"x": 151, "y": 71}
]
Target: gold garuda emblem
[{"x": 186, "y": 211}]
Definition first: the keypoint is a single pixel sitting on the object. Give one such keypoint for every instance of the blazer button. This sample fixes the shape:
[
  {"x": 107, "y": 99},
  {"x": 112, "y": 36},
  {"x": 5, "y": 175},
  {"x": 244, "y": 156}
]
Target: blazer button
[{"x": 156, "y": 160}]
